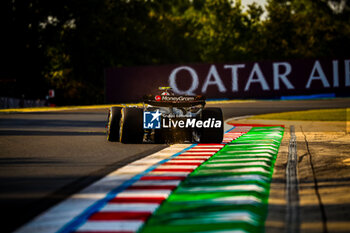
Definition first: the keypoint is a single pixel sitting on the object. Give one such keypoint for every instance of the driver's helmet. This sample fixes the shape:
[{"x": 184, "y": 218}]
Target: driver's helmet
[{"x": 166, "y": 91}]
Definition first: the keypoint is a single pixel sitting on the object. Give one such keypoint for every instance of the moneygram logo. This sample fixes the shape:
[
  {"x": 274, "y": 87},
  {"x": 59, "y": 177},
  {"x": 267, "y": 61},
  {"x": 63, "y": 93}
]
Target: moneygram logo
[
  {"x": 177, "y": 98},
  {"x": 151, "y": 120},
  {"x": 158, "y": 98}
]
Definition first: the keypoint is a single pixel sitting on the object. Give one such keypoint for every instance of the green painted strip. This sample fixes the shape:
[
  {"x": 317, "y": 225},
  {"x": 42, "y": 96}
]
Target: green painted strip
[{"x": 229, "y": 192}]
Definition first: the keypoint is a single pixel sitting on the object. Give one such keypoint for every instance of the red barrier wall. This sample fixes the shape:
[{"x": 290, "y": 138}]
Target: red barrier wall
[{"x": 251, "y": 80}]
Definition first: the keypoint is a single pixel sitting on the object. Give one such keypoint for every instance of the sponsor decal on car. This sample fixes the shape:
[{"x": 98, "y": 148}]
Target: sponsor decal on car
[{"x": 174, "y": 98}]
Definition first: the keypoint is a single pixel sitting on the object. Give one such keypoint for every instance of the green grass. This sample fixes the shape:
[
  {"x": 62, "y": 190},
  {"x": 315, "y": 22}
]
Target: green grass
[{"x": 339, "y": 114}]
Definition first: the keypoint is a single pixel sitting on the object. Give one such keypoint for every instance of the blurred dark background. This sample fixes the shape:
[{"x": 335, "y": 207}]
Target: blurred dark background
[{"x": 65, "y": 45}]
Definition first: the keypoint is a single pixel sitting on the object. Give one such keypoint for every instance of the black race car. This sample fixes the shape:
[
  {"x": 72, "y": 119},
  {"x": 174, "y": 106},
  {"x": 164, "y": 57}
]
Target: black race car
[{"x": 166, "y": 118}]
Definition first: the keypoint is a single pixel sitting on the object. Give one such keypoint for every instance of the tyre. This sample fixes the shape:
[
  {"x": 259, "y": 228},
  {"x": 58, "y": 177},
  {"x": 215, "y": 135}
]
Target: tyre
[
  {"x": 212, "y": 135},
  {"x": 113, "y": 124},
  {"x": 131, "y": 125},
  {"x": 172, "y": 136},
  {"x": 159, "y": 137}
]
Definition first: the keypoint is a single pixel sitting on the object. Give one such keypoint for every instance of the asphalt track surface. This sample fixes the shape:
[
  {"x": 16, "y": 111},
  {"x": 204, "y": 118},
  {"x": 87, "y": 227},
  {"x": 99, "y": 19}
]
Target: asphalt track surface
[{"x": 47, "y": 156}]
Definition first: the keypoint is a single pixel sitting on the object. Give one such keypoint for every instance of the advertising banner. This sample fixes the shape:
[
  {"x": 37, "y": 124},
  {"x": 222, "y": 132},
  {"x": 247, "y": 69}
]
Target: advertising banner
[{"x": 249, "y": 80}]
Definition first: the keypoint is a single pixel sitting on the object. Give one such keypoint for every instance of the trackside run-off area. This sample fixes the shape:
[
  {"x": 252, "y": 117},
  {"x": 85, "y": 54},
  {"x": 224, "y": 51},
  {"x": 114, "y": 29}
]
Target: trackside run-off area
[
  {"x": 228, "y": 192},
  {"x": 197, "y": 188}
]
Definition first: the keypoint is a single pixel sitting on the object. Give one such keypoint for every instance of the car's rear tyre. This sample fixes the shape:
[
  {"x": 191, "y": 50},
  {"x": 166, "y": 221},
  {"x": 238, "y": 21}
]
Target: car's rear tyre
[
  {"x": 212, "y": 135},
  {"x": 159, "y": 137},
  {"x": 113, "y": 124},
  {"x": 131, "y": 125}
]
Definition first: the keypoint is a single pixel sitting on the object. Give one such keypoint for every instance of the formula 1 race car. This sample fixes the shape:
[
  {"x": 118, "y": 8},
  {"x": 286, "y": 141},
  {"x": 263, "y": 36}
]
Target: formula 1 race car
[{"x": 166, "y": 118}]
